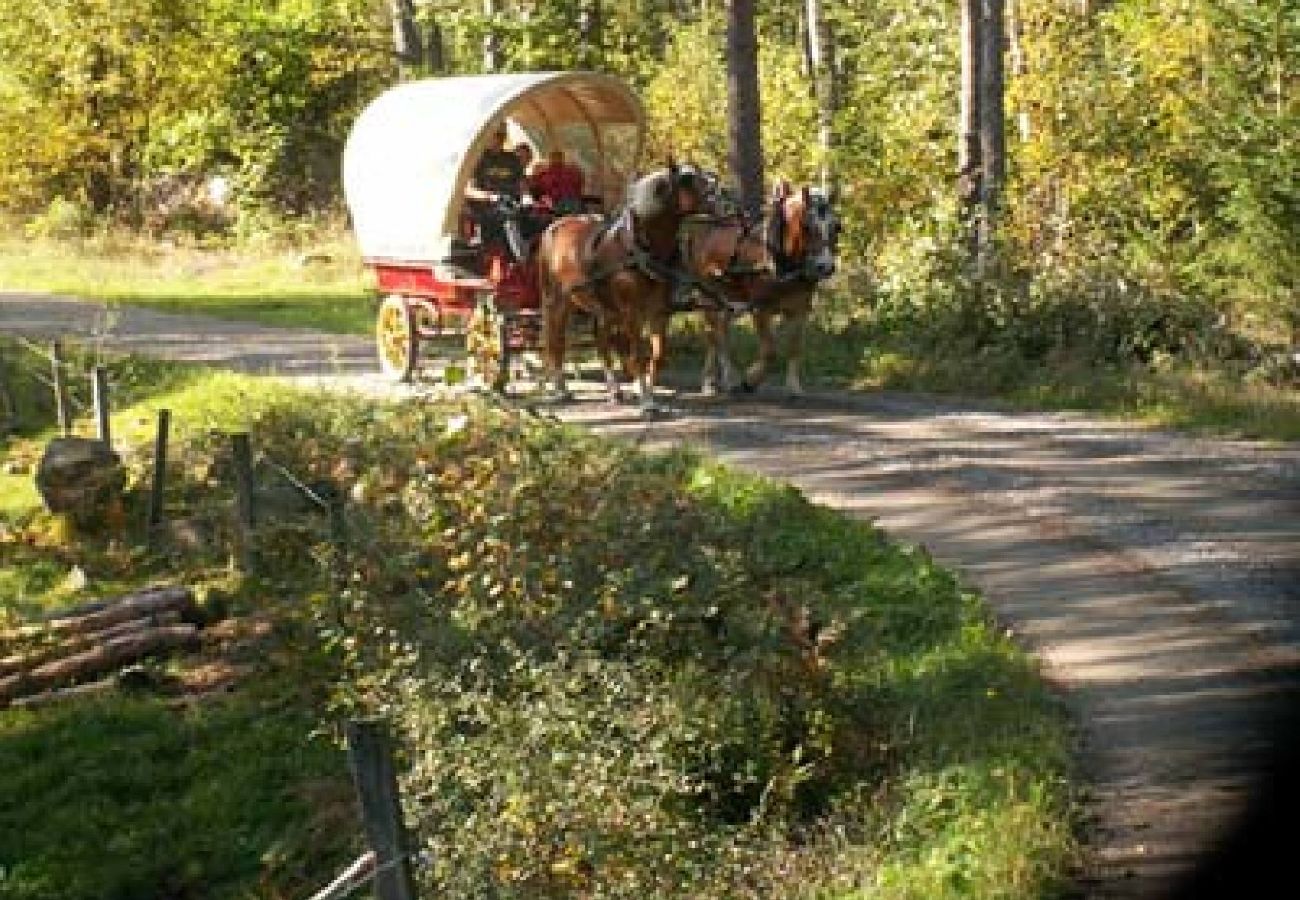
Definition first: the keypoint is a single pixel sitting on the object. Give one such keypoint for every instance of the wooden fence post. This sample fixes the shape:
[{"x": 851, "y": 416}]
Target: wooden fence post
[
  {"x": 370, "y": 754},
  {"x": 157, "y": 492},
  {"x": 245, "y": 516},
  {"x": 60, "y": 389},
  {"x": 339, "y": 531},
  {"x": 102, "y": 407}
]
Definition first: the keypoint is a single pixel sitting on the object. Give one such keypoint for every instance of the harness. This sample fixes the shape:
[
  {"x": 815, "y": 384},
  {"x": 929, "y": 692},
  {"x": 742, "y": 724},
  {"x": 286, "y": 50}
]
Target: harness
[{"x": 637, "y": 257}]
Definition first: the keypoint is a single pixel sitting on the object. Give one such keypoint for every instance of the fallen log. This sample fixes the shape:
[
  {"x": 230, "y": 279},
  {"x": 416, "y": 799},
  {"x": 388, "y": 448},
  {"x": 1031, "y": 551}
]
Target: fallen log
[
  {"x": 131, "y": 606},
  {"x": 76, "y": 692},
  {"x": 22, "y": 662},
  {"x": 102, "y": 658}
]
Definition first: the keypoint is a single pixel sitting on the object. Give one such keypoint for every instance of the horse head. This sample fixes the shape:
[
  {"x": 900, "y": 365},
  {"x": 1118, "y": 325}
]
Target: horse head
[{"x": 803, "y": 232}]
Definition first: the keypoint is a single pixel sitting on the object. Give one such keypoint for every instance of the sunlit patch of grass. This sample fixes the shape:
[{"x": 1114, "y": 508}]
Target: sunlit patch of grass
[
  {"x": 326, "y": 288},
  {"x": 1192, "y": 399}
]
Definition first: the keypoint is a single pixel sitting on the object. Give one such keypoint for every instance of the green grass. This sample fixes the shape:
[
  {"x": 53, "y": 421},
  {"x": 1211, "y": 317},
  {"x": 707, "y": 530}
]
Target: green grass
[
  {"x": 330, "y": 293},
  {"x": 962, "y": 790},
  {"x": 125, "y": 798}
]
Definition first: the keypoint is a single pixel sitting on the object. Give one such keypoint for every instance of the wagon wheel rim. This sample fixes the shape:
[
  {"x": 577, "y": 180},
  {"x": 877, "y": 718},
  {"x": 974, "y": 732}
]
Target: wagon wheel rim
[{"x": 395, "y": 338}]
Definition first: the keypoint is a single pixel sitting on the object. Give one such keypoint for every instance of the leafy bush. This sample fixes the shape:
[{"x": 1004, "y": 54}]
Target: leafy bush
[{"x": 618, "y": 674}]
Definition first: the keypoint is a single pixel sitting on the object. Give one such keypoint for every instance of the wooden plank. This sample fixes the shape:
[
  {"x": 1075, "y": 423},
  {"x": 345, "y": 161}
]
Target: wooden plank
[
  {"x": 241, "y": 447},
  {"x": 61, "y": 407}
]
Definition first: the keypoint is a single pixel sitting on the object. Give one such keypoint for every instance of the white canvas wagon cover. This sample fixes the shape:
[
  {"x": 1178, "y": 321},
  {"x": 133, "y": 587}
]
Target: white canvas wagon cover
[{"x": 413, "y": 149}]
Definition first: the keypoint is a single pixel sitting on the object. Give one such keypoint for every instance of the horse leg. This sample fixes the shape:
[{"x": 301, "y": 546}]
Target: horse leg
[
  {"x": 657, "y": 322},
  {"x": 555, "y": 323},
  {"x": 766, "y": 349},
  {"x": 796, "y": 325},
  {"x": 719, "y": 372},
  {"x": 605, "y": 348}
]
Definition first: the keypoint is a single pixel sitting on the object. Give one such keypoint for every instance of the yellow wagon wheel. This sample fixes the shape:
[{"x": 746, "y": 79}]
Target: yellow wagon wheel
[
  {"x": 396, "y": 339},
  {"x": 486, "y": 344}
]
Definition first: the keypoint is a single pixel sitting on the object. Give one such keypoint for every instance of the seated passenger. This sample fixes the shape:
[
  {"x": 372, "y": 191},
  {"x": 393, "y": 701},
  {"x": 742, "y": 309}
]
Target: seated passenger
[
  {"x": 498, "y": 177},
  {"x": 559, "y": 184}
]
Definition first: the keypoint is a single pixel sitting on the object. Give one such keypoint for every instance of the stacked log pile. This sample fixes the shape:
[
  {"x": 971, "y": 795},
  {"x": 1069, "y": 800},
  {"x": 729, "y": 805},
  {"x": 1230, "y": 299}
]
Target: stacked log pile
[{"x": 56, "y": 657}]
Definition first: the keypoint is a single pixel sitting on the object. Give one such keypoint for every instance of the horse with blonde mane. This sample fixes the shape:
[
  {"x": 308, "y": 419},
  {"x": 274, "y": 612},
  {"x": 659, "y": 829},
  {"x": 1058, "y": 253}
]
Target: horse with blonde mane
[{"x": 800, "y": 235}]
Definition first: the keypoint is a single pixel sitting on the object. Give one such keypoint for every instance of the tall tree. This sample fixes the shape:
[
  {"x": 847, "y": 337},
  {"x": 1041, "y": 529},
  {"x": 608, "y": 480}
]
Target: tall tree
[
  {"x": 406, "y": 35},
  {"x": 821, "y": 56},
  {"x": 744, "y": 137},
  {"x": 968, "y": 124},
  {"x": 993, "y": 154},
  {"x": 492, "y": 55},
  {"x": 590, "y": 28}
]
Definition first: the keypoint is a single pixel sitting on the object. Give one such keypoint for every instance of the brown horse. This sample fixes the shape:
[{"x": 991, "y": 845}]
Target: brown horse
[
  {"x": 801, "y": 234},
  {"x": 728, "y": 268},
  {"x": 621, "y": 272}
]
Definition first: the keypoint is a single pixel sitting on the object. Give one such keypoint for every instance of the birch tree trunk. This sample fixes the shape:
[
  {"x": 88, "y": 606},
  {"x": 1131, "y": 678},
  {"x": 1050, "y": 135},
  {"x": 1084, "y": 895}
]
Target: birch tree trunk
[
  {"x": 745, "y": 155},
  {"x": 968, "y": 119},
  {"x": 589, "y": 31},
  {"x": 491, "y": 40},
  {"x": 821, "y": 52},
  {"x": 993, "y": 144},
  {"x": 406, "y": 36}
]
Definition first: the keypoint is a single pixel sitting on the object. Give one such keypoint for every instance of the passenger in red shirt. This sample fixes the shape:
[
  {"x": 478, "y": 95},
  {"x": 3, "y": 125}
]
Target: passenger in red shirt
[{"x": 558, "y": 183}]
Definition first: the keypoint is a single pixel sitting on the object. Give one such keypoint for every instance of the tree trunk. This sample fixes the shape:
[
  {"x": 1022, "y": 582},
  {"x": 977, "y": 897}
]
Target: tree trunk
[
  {"x": 491, "y": 40},
  {"x": 76, "y": 643},
  {"x": 968, "y": 129},
  {"x": 993, "y": 153},
  {"x": 406, "y": 36},
  {"x": 821, "y": 55},
  {"x": 436, "y": 45},
  {"x": 1019, "y": 66},
  {"x": 590, "y": 27},
  {"x": 744, "y": 134},
  {"x": 98, "y": 616}
]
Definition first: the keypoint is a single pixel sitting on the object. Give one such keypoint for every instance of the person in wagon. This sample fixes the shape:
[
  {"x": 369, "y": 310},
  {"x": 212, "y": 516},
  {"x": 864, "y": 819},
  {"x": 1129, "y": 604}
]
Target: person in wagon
[
  {"x": 558, "y": 183},
  {"x": 498, "y": 176}
]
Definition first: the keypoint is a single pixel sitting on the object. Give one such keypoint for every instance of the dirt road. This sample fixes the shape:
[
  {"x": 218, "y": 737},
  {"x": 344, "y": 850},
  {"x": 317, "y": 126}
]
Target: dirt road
[{"x": 1154, "y": 575}]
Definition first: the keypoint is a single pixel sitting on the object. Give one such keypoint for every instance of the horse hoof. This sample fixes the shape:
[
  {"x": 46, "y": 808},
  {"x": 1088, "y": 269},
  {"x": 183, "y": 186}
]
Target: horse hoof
[{"x": 744, "y": 389}]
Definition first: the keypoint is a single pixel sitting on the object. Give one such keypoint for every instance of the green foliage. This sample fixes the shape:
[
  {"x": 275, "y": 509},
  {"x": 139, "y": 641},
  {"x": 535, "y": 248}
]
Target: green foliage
[
  {"x": 589, "y": 702},
  {"x": 103, "y": 103}
]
